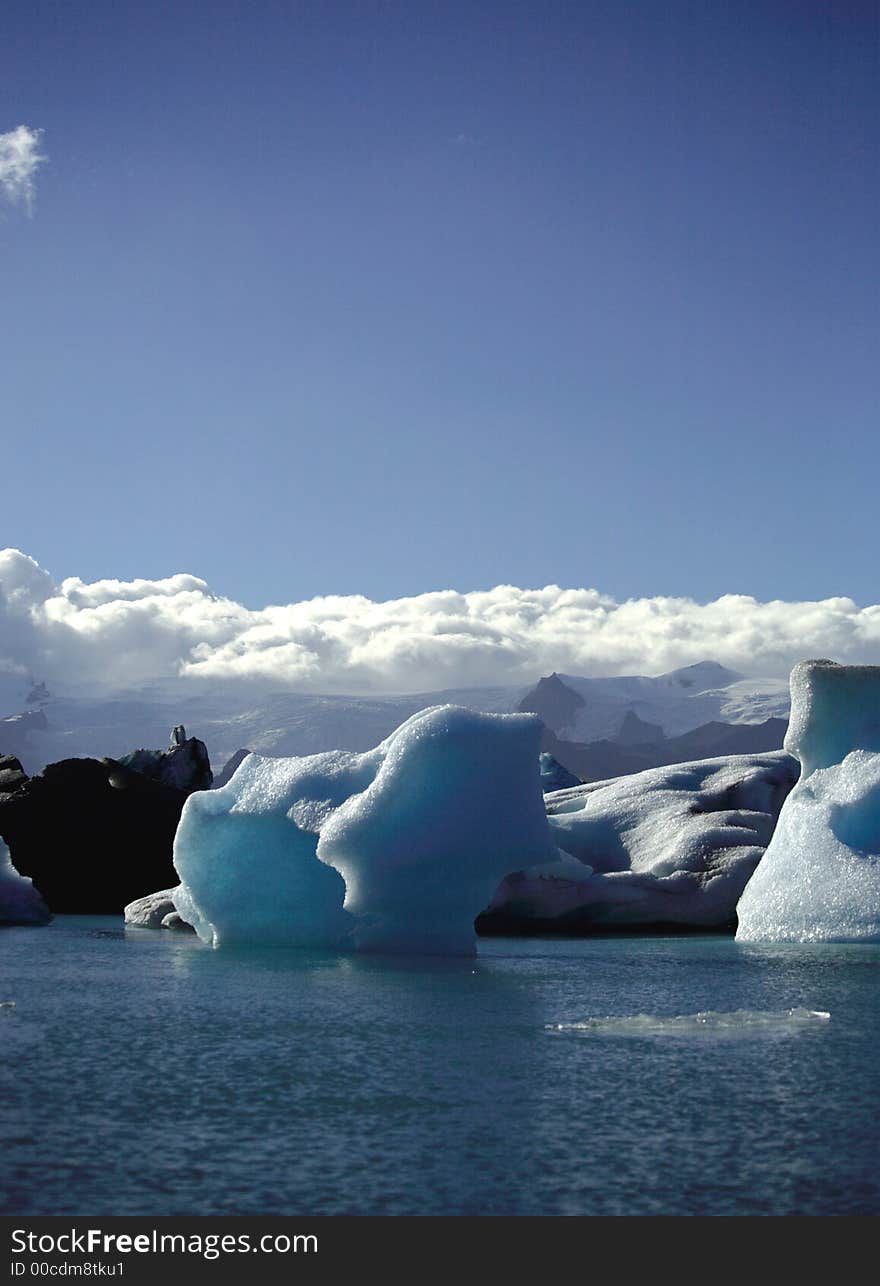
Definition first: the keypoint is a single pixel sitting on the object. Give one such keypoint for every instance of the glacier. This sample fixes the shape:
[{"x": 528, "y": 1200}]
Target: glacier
[
  {"x": 820, "y": 876},
  {"x": 394, "y": 849}
]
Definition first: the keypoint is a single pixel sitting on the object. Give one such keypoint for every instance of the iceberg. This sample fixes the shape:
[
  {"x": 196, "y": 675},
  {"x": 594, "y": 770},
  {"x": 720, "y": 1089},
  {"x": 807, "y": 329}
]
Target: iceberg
[
  {"x": 20, "y": 903},
  {"x": 156, "y": 911},
  {"x": 819, "y": 880},
  {"x": 245, "y": 853},
  {"x": 669, "y": 847},
  {"x": 394, "y": 849},
  {"x": 455, "y": 805}
]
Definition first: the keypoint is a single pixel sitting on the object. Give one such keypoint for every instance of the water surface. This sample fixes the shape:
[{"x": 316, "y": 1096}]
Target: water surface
[{"x": 143, "y": 1073}]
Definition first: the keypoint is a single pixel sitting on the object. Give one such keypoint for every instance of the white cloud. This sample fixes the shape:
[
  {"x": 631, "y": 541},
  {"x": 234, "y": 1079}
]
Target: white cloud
[
  {"x": 19, "y": 161},
  {"x": 110, "y": 635}
]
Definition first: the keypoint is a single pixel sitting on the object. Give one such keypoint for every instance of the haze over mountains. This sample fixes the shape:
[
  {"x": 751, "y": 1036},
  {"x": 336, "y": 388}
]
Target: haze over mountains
[{"x": 601, "y": 726}]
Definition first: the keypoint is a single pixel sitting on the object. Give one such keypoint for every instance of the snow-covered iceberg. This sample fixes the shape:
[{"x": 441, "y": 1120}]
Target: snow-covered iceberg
[
  {"x": 671, "y": 846},
  {"x": 20, "y": 903},
  {"x": 820, "y": 877},
  {"x": 156, "y": 911},
  {"x": 395, "y": 849},
  {"x": 246, "y": 855}
]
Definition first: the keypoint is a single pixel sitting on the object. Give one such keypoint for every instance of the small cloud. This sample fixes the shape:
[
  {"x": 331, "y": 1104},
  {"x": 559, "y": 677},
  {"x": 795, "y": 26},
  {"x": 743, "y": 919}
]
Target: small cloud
[
  {"x": 19, "y": 161},
  {"x": 466, "y": 140}
]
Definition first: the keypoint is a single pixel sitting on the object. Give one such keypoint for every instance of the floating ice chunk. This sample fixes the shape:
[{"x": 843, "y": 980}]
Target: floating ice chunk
[
  {"x": 158, "y": 911},
  {"x": 246, "y": 853},
  {"x": 737, "y": 1023},
  {"x": 20, "y": 903},
  {"x": 667, "y": 846},
  {"x": 456, "y": 804},
  {"x": 148, "y": 912},
  {"x": 834, "y": 709},
  {"x": 413, "y": 836},
  {"x": 820, "y": 877}
]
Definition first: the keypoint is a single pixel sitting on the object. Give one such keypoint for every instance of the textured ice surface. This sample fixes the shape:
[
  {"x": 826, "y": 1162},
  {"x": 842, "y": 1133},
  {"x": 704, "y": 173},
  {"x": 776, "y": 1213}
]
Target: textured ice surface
[
  {"x": 455, "y": 805},
  {"x": 20, "y": 903},
  {"x": 149, "y": 912},
  {"x": 820, "y": 877},
  {"x": 413, "y": 836},
  {"x": 246, "y": 853},
  {"x": 738, "y": 1023},
  {"x": 672, "y": 845}
]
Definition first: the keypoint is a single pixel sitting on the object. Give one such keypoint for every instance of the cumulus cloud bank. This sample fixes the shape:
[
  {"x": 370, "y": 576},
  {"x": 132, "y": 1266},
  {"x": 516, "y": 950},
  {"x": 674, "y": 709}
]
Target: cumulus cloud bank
[
  {"x": 114, "y": 635},
  {"x": 19, "y": 161}
]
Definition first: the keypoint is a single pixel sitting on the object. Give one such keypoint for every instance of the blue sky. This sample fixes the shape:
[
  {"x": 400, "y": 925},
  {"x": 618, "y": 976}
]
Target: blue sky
[{"x": 386, "y": 298}]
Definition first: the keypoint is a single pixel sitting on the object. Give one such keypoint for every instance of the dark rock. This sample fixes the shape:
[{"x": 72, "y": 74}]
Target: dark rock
[
  {"x": 554, "y": 776},
  {"x": 553, "y": 702},
  {"x": 637, "y": 732},
  {"x": 90, "y": 846},
  {"x": 12, "y": 775},
  {"x": 184, "y": 765},
  {"x": 228, "y": 769},
  {"x": 38, "y": 695},
  {"x": 713, "y": 739},
  {"x": 601, "y": 760}
]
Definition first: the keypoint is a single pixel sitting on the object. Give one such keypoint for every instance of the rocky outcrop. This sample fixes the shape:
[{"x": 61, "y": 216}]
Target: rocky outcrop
[
  {"x": 184, "y": 765},
  {"x": 638, "y": 732},
  {"x": 638, "y": 743},
  {"x": 554, "y": 776},
  {"x": 229, "y": 768},
  {"x": 12, "y": 775},
  {"x": 553, "y": 702},
  {"x": 93, "y": 834},
  {"x": 601, "y": 760}
]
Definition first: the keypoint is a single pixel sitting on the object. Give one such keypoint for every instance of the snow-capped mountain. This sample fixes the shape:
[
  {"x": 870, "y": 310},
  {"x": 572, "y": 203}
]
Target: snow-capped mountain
[
  {"x": 678, "y": 701},
  {"x": 293, "y": 723}
]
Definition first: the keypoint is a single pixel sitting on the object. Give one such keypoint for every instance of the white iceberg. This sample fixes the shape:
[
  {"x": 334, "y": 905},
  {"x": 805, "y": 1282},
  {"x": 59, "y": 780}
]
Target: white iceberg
[
  {"x": 820, "y": 877},
  {"x": 395, "y": 849},
  {"x": 671, "y": 846},
  {"x": 149, "y": 912},
  {"x": 156, "y": 911}
]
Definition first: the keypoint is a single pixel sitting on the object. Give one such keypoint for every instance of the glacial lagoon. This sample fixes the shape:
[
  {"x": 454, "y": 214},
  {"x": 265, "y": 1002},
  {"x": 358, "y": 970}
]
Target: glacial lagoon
[{"x": 144, "y": 1073}]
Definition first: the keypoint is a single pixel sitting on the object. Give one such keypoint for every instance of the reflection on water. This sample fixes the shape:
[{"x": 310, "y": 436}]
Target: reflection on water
[{"x": 738, "y": 1024}]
